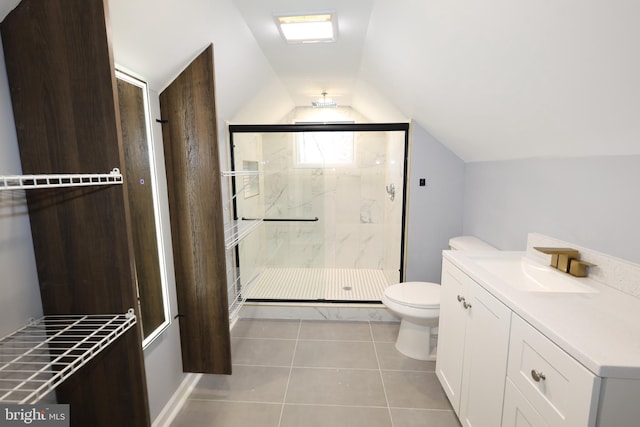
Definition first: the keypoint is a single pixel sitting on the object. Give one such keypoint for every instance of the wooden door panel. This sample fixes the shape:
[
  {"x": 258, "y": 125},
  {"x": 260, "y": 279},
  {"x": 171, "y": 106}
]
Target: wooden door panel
[{"x": 197, "y": 226}]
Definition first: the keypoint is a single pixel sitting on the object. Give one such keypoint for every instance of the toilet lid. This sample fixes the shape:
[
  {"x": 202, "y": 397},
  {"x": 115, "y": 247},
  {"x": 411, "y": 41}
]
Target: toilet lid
[{"x": 415, "y": 294}]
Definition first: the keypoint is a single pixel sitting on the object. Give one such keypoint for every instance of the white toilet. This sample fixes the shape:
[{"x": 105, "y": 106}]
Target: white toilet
[{"x": 417, "y": 304}]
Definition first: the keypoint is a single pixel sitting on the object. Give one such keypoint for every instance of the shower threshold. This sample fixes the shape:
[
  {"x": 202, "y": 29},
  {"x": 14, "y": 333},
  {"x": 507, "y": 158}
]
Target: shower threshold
[
  {"x": 320, "y": 285},
  {"x": 313, "y": 301}
]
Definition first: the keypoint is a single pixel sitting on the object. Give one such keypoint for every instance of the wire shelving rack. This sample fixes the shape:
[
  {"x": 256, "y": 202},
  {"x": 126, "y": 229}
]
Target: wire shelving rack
[
  {"x": 41, "y": 355},
  {"x": 27, "y": 182}
]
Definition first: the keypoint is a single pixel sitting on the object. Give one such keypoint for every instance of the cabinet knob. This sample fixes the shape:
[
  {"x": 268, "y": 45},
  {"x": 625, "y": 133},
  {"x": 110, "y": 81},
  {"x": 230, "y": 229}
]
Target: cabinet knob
[
  {"x": 537, "y": 376},
  {"x": 460, "y": 298}
]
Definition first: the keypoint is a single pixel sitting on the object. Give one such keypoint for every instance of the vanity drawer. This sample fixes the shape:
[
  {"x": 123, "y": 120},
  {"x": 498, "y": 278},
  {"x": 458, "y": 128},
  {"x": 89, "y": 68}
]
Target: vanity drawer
[
  {"x": 560, "y": 389},
  {"x": 518, "y": 412}
]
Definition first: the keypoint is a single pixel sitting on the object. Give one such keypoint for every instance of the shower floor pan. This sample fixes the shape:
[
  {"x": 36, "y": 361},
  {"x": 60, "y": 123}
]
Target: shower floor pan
[{"x": 320, "y": 284}]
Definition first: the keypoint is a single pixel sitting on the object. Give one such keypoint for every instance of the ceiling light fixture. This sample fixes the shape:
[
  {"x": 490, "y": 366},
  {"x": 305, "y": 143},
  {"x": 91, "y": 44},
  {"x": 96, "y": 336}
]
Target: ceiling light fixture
[
  {"x": 324, "y": 102},
  {"x": 312, "y": 28}
]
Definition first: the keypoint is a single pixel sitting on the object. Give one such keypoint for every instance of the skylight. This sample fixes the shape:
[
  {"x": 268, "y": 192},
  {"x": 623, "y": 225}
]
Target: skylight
[{"x": 313, "y": 28}]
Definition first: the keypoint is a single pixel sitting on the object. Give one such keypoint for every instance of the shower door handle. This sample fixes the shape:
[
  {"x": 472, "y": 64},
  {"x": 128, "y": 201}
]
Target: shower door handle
[{"x": 282, "y": 219}]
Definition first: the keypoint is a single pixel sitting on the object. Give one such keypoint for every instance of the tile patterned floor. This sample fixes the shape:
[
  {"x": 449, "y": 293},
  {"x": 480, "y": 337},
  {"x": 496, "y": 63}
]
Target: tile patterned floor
[
  {"x": 292, "y": 373},
  {"x": 346, "y": 284}
]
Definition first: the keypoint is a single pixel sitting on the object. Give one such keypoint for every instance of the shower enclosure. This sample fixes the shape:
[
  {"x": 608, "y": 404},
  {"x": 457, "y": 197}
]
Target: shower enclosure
[{"x": 327, "y": 205}]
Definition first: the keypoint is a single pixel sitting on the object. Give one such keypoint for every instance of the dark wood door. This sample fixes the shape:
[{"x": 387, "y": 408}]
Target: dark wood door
[{"x": 197, "y": 226}]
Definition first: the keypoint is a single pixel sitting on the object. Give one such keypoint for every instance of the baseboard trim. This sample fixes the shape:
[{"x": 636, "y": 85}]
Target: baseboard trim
[{"x": 175, "y": 404}]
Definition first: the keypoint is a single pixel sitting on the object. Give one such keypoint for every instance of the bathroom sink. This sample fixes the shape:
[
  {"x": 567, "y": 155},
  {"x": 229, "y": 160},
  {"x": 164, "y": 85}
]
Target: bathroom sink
[{"x": 525, "y": 275}]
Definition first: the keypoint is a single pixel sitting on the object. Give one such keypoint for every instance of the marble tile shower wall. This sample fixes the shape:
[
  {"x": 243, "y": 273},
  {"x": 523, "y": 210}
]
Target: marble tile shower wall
[
  {"x": 253, "y": 254},
  {"x": 358, "y": 227},
  {"x": 393, "y": 208}
]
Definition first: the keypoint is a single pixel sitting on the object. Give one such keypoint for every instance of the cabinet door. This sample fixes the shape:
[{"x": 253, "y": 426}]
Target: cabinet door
[
  {"x": 197, "y": 227},
  {"x": 518, "y": 412},
  {"x": 485, "y": 357},
  {"x": 562, "y": 391},
  {"x": 451, "y": 333}
]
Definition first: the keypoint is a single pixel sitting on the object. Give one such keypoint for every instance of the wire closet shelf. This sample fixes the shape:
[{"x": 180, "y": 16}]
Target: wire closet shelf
[
  {"x": 237, "y": 230},
  {"x": 27, "y": 182},
  {"x": 38, "y": 357}
]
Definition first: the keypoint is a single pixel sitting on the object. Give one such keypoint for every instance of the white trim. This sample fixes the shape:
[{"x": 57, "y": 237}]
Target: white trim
[{"x": 175, "y": 404}]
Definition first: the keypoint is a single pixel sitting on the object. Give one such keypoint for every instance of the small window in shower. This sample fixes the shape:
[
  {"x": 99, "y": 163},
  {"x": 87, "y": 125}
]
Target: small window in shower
[{"x": 315, "y": 149}]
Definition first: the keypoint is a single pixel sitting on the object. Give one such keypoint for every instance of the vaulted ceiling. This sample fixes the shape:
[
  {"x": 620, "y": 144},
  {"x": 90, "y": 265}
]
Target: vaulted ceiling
[{"x": 491, "y": 80}]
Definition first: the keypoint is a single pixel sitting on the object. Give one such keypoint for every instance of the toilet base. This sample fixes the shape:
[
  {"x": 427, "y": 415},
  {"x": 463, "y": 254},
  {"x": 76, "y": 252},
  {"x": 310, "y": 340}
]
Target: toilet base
[{"x": 416, "y": 341}]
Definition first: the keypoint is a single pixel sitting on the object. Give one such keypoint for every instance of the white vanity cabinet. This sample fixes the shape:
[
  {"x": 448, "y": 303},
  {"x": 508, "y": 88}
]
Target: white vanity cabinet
[
  {"x": 514, "y": 358},
  {"x": 472, "y": 348}
]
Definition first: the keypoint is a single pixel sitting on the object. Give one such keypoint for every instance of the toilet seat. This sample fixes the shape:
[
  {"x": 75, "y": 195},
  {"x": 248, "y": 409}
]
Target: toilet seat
[{"x": 415, "y": 294}]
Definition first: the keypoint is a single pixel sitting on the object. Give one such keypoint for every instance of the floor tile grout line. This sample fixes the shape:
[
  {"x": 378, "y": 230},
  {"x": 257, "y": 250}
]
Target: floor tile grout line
[
  {"x": 260, "y": 402},
  {"x": 306, "y": 340},
  {"x": 336, "y": 405},
  {"x": 261, "y": 365},
  {"x": 204, "y": 399},
  {"x": 330, "y": 368},
  {"x": 421, "y": 409},
  {"x": 264, "y": 338},
  {"x": 344, "y": 368},
  {"x": 410, "y": 371},
  {"x": 286, "y": 390},
  {"x": 325, "y": 340},
  {"x": 384, "y": 389}
]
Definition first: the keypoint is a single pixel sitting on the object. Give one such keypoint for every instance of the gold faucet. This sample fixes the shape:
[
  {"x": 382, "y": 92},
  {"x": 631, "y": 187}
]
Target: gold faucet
[{"x": 566, "y": 260}]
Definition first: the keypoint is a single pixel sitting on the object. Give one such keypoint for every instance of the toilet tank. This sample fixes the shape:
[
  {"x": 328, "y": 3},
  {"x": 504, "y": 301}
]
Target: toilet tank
[{"x": 469, "y": 243}]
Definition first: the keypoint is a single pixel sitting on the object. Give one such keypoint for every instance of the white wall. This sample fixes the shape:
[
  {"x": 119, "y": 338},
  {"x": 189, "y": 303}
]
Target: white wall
[
  {"x": 592, "y": 201},
  {"x": 19, "y": 291},
  {"x": 163, "y": 359},
  {"x": 435, "y": 210}
]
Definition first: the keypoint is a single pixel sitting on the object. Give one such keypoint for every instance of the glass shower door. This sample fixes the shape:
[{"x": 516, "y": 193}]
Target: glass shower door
[
  {"x": 332, "y": 205},
  {"x": 289, "y": 200}
]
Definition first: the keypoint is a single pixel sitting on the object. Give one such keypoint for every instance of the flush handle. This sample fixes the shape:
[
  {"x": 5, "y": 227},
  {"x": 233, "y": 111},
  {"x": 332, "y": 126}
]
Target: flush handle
[{"x": 537, "y": 376}]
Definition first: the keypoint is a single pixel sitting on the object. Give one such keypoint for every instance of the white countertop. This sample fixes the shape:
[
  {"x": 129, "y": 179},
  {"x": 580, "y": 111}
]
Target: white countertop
[{"x": 601, "y": 329}]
